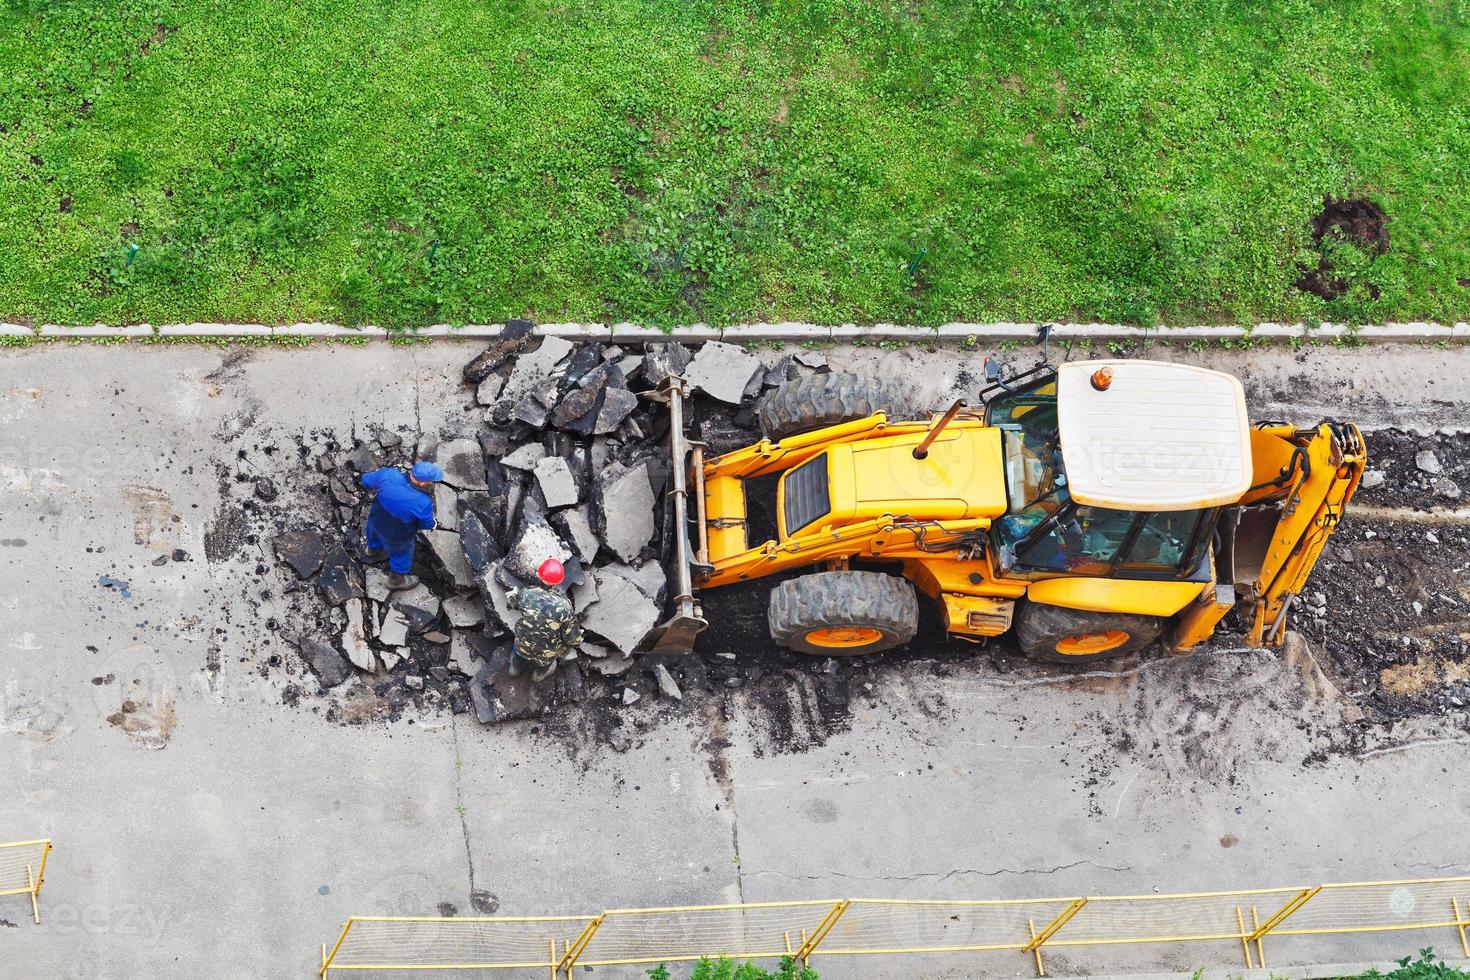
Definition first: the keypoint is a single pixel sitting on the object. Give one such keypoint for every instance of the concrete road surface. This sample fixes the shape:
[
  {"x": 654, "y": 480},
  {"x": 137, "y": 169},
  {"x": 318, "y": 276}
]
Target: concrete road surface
[{"x": 214, "y": 831}]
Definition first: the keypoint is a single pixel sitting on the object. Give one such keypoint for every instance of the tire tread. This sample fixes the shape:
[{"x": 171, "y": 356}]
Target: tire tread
[
  {"x": 843, "y": 598},
  {"x": 822, "y": 400}
]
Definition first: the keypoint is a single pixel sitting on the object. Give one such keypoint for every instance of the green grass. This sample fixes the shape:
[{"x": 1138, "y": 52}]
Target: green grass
[{"x": 671, "y": 161}]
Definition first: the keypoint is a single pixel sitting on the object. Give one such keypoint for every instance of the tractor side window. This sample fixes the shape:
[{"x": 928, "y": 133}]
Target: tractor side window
[
  {"x": 1163, "y": 540},
  {"x": 1084, "y": 543}
]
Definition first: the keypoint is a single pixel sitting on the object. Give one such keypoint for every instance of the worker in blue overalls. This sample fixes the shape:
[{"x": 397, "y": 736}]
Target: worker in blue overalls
[{"x": 403, "y": 507}]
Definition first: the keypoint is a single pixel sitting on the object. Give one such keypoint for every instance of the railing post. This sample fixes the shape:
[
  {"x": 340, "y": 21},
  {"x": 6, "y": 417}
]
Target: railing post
[
  {"x": 1281, "y": 915},
  {"x": 574, "y": 950},
  {"x": 34, "y": 885},
  {"x": 1039, "y": 938},
  {"x": 40, "y": 880},
  {"x": 1297, "y": 901},
  {"x": 1245, "y": 943},
  {"x": 820, "y": 932},
  {"x": 1460, "y": 925},
  {"x": 1056, "y": 924},
  {"x": 1035, "y": 949},
  {"x": 327, "y": 958}
]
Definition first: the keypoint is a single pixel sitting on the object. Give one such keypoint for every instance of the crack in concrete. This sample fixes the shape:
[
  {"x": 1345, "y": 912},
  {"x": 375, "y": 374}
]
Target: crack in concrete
[
  {"x": 715, "y": 747},
  {"x": 460, "y": 808},
  {"x": 945, "y": 875},
  {"x": 735, "y": 843},
  {"x": 418, "y": 417}
]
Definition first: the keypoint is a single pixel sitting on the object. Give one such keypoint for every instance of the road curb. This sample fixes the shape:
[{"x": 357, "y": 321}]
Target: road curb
[{"x": 784, "y": 332}]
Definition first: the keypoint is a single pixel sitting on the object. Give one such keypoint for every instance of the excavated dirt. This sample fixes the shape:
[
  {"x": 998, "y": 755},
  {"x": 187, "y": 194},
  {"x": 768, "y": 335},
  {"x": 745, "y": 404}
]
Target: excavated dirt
[
  {"x": 1389, "y": 603},
  {"x": 1355, "y": 220},
  {"x": 1420, "y": 472}
]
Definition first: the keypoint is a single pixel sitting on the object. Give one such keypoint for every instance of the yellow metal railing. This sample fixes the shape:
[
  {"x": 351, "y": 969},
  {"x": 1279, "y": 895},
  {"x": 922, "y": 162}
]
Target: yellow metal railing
[
  {"x": 23, "y": 870},
  {"x": 890, "y": 927}
]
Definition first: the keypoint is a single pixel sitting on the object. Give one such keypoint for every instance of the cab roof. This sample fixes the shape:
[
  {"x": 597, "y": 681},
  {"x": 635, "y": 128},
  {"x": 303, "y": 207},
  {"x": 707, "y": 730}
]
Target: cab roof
[{"x": 1159, "y": 437}]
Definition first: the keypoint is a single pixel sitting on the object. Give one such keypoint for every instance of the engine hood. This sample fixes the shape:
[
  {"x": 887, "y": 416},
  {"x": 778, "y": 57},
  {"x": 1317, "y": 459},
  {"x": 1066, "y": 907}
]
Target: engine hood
[{"x": 961, "y": 478}]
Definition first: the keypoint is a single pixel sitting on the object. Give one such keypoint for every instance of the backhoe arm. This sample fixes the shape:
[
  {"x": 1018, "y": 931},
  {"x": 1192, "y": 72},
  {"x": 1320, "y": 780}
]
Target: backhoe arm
[{"x": 1304, "y": 480}]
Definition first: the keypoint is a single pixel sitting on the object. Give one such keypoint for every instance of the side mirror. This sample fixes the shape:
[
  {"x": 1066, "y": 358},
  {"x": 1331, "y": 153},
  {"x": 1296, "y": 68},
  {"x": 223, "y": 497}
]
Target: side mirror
[{"x": 992, "y": 369}]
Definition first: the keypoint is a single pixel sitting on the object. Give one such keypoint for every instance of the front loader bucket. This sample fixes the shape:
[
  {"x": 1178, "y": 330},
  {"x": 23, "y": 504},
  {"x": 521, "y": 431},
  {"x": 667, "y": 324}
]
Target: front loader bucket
[{"x": 676, "y": 635}]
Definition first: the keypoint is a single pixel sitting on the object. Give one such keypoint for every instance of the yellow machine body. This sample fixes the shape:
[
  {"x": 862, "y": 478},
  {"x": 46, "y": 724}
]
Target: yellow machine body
[{"x": 923, "y": 517}]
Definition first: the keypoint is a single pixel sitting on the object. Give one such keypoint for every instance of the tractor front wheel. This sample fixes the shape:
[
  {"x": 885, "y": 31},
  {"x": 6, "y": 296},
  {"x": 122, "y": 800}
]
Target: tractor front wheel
[
  {"x": 843, "y": 614},
  {"x": 1075, "y": 636}
]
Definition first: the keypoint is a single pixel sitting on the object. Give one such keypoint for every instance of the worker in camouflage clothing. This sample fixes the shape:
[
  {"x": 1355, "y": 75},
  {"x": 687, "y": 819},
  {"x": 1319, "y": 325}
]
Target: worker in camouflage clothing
[{"x": 548, "y": 629}]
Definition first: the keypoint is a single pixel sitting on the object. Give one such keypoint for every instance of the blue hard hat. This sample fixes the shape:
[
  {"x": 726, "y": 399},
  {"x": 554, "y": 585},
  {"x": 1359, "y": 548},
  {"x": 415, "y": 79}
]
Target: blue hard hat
[{"x": 427, "y": 473}]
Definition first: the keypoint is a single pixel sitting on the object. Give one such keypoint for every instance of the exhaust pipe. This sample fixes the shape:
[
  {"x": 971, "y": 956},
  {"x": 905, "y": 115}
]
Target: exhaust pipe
[{"x": 921, "y": 451}]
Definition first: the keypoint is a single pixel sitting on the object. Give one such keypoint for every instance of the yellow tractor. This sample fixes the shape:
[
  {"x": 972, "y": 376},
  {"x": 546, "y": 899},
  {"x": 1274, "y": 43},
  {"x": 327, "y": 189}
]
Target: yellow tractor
[{"x": 1091, "y": 508}]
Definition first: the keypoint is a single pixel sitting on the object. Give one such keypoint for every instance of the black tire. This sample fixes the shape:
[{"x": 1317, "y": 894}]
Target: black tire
[
  {"x": 1044, "y": 631},
  {"x": 824, "y": 399},
  {"x": 881, "y": 608}
]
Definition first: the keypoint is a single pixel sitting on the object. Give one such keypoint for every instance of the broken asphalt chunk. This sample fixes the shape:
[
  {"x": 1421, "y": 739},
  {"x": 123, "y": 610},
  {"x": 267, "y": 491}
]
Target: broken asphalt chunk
[
  {"x": 464, "y": 467},
  {"x": 575, "y": 527},
  {"x": 722, "y": 371},
  {"x": 354, "y": 639},
  {"x": 419, "y": 605},
  {"x": 393, "y": 631},
  {"x": 464, "y": 611},
  {"x": 622, "y": 614},
  {"x": 487, "y": 393},
  {"x": 578, "y": 408},
  {"x": 617, "y": 403},
  {"x": 626, "y": 506},
  {"x": 534, "y": 367},
  {"x": 302, "y": 550},
  {"x": 446, "y": 507},
  {"x": 329, "y": 665},
  {"x": 445, "y": 546},
  {"x": 666, "y": 684},
  {"x": 497, "y": 602},
  {"x": 526, "y": 457},
  {"x": 558, "y": 485},
  {"x": 663, "y": 360},
  {"x": 478, "y": 545},
  {"x": 338, "y": 585},
  {"x": 537, "y": 542},
  {"x": 515, "y": 338}
]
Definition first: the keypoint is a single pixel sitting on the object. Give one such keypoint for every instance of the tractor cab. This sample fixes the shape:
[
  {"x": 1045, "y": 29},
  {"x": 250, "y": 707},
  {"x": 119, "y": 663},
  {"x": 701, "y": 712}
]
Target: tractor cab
[{"x": 1117, "y": 469}]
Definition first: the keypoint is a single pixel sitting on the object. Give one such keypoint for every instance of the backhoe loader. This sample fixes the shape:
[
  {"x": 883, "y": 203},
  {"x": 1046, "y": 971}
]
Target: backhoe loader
[{"x": 1091, "y": 509}]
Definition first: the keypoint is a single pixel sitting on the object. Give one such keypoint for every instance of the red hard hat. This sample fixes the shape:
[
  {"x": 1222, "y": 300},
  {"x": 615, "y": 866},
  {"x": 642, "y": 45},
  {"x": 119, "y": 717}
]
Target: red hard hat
[{"x": 552, "y": 572}]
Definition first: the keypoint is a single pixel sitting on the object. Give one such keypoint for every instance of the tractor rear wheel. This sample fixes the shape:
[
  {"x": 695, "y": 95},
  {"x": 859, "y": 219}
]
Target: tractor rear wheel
[
  {"x": 824, "y": 399},
  {"x": 1075, "y": 636},
  {"x": 843, "y": 614}
]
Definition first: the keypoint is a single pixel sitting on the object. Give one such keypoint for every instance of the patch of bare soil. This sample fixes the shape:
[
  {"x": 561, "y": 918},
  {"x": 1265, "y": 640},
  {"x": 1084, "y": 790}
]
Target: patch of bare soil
[
  {"x": 1355, "y": 220},
  {"x": 146, "y": 717}
]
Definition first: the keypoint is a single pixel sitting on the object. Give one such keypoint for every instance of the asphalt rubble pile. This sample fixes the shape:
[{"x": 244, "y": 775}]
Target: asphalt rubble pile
[{"x": 562, "y": 454}]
